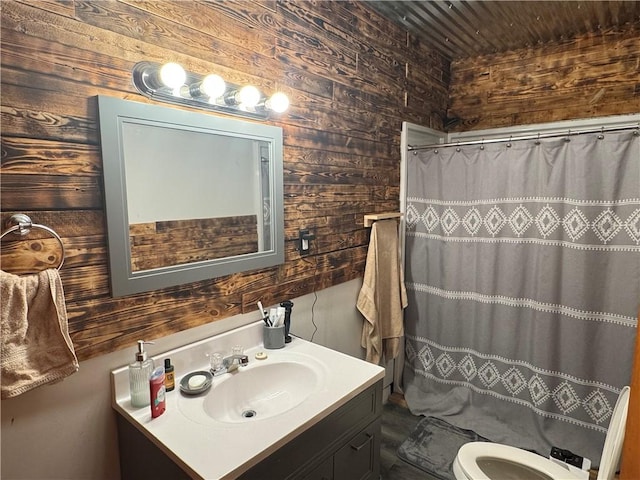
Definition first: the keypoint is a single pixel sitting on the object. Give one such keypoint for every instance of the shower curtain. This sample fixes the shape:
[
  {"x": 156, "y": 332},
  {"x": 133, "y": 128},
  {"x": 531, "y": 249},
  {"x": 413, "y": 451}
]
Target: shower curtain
[{"x": 523, "y": 277}]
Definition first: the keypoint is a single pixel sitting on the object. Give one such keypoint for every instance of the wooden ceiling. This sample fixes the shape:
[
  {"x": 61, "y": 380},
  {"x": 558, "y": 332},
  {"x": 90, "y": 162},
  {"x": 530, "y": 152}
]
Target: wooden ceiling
[{"x": 462, "y": 29}]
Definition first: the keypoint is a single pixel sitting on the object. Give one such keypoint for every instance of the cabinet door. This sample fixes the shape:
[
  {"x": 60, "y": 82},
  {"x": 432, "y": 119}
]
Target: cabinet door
[
  {"x": 359, "y": 458},
  {"x": 324, "y": 471}
]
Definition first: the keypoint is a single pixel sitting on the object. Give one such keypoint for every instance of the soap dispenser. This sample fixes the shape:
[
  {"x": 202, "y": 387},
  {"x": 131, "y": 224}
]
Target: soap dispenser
[{"x": 139, "y": 373}]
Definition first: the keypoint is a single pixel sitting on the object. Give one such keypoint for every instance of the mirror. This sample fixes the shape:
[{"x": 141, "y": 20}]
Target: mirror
[{"x": 189, "y": 196}]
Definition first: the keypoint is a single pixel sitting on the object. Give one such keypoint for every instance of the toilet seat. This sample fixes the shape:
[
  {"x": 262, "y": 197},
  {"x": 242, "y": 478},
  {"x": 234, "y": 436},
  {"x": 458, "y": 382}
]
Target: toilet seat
[
  {"x": 493, "y": 456},
  {"x": 471, "y": 455},
  {"x": 615, "y": 437}
]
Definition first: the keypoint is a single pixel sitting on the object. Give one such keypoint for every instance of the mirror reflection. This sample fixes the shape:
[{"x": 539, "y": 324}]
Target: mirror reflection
[{"x": 228, "y": 177}]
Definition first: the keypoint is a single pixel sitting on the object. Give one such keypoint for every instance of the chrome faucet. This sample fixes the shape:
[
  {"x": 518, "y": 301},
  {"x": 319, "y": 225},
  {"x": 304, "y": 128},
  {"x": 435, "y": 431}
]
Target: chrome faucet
[
  {"x": 220, "y": 365},
  {"x": 232, "y": 362}
]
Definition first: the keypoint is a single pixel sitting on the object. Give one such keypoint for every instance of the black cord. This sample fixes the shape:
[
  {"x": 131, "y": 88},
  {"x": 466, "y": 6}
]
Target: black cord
[
  {"x": 315, "y": 298},
  {"x": 315, "y": 294}
]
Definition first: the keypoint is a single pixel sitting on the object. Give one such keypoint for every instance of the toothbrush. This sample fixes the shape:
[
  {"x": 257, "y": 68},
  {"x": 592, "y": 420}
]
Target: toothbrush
[{"x": 263, "y": 315}]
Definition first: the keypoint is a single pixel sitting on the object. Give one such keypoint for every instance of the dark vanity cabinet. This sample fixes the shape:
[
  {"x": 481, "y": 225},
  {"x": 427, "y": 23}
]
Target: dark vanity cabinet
[
  {"x": 358, "y": 458},
  {"x": 345, "y": 445}
]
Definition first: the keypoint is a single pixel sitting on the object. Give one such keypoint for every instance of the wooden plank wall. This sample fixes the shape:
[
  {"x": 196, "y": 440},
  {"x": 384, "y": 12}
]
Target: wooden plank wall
[
  {"x": 153, "y": 243},
  {"x": 589, "y": 76},
  {"x": 352, "y": 78}
]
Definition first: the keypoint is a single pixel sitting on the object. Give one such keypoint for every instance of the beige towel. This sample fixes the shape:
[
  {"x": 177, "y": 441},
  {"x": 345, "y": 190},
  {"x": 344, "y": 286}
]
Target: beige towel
[
  {"x": 36, "y": 347},
  {"x": 383, "y": 295}
]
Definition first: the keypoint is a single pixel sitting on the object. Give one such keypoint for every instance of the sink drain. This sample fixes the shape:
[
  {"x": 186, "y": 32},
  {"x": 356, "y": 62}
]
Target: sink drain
[{"x": 249, "y": 413}]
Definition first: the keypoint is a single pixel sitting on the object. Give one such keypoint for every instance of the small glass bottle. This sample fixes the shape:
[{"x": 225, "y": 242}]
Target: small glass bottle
[
  {"x": 169, "y": 379},
  {"x": 139, "y": 373}
]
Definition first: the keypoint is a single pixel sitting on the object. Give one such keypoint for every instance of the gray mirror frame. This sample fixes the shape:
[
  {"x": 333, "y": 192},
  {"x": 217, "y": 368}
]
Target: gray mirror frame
[{"x": 112, "y": 113}]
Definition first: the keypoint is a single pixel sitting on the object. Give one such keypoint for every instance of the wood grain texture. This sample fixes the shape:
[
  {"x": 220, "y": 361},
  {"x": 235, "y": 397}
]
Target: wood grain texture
[
  {"x": 397, "y": 423},
  {"x": 353, "y": 78},
  {"x": 153, "y": 244},
  {"x": 342, "y": 65},
  {"x": 589, "y": 76}
]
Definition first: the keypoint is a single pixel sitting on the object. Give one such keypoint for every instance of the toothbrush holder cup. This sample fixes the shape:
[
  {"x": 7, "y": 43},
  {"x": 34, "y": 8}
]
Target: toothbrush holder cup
[{"x": 273, "y": 337}]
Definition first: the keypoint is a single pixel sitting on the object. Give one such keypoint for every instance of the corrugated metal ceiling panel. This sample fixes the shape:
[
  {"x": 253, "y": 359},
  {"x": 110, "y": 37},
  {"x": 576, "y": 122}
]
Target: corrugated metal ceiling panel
[{"x": 461, "y": 29}]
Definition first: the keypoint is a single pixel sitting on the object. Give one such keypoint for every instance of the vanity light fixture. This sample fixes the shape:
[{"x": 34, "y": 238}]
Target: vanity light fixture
[
  {"x": 171, "y": 75},
  {"x": 171, "y": 83},
  {"x": 278, "y": 102},
  {"x": 211, "y": 86},
  {"x": 248, "y": 96}
]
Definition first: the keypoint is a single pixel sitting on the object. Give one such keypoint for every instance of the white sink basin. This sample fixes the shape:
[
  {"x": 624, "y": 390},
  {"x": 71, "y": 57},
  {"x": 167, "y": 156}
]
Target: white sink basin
[
  {"x": 261, "y": 391},
  {"x": 293, "y": 389}
]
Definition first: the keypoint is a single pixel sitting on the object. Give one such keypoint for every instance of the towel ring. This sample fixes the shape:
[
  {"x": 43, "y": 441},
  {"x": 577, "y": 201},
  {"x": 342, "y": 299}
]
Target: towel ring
[{"x": 22, "y": 225}]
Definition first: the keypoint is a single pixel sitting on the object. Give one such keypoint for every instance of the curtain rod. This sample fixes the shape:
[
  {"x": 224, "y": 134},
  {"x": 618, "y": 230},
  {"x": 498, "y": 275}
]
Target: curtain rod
[{"x": 537, "y": 136}]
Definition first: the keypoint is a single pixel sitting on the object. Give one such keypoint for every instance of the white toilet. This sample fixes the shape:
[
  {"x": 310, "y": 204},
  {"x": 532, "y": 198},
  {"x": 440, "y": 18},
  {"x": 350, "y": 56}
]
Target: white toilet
[{"x": 487, "y": 461}]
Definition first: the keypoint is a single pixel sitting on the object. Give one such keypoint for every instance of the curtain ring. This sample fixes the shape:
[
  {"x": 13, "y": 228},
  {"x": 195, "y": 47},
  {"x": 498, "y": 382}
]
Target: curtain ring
[
  {"x": 482, "y": 144},
  {"x": 567, "y": 139},
  {"x": 537, "y": 142},
  {"x": 509, "y": 143},
  {"x": 458, "y": 146},
  {"x": 601, "y": 136}
]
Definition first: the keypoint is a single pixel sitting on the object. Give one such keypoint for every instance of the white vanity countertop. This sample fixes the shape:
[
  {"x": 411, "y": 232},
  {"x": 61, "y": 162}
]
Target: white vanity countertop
[{"x": 219, "y": 450}]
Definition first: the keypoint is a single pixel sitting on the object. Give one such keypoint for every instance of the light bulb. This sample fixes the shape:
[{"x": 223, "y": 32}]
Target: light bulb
[
  {"x": 249, "y": 96},
  {"x": 172, "y": 75},
  {"x": 278, "y": 102},
  {"x": 213, "y": 86}
]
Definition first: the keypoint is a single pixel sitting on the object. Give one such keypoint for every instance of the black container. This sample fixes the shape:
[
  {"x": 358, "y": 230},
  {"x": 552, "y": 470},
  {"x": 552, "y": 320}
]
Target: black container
[{"x": 288, "y": 305}]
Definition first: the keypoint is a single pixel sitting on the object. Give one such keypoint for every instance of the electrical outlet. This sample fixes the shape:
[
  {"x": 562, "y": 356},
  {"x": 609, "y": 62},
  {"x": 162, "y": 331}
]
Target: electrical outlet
[{"x": 304, "y": 241}]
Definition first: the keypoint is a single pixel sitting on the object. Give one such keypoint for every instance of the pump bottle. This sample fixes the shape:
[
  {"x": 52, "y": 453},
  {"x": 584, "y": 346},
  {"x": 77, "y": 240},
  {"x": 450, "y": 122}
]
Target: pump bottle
[{"x": 139, "y": 373}]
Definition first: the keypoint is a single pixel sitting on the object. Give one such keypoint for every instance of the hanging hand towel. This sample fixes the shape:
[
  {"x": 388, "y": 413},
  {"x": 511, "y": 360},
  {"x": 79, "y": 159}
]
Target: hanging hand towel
[
  {"x": 382, "y": 296},
  {"x": 36, "y": 347}
]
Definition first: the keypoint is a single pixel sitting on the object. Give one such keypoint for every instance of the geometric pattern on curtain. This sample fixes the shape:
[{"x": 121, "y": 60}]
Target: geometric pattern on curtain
[
  {"x": 523, "y": 277},
  {"x": 589, "y": 225},
  {"x": 550, "y": 394}
]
